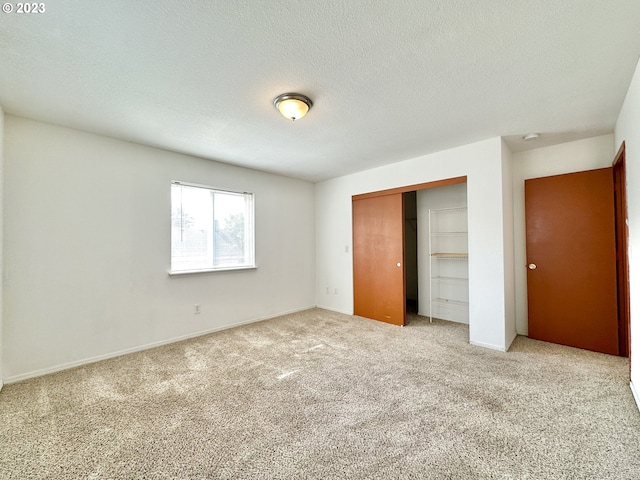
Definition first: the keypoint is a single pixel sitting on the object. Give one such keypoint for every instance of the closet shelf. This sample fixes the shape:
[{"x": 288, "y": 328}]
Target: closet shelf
[
  {"x": 449, "y": 234},
  {"x": 448, "y": 267},
  {"x": 451, "y": 280},
  {"x": 441, "y": 211},
  {"x": 448, "y": 301}
]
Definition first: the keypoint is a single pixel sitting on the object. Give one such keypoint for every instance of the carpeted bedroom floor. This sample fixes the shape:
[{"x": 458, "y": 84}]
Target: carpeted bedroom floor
[{"x": 321, "y": 395}]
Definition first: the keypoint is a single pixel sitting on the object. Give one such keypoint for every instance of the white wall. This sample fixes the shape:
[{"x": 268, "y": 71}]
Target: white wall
[
  {"x": 509, "y": 247},
  {"x": 87, "y": 249},
  {"x": 482, "y": 164},
  {"x": 587, "y": 154},
  {"x": 441, "y": 197},
  {"x": 628, "y": 130},
  {"x": 1, "y": 236}
]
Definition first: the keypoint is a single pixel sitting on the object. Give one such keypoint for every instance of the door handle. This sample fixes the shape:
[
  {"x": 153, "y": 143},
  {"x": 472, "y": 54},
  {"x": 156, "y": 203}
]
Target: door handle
[
  {"x": 398, "y": 264},
  {"x": 532, "y": 266}
]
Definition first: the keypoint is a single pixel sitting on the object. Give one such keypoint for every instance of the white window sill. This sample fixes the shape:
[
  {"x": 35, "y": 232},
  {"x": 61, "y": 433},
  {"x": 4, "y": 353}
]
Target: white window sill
[{"x": 178, "y": 273}]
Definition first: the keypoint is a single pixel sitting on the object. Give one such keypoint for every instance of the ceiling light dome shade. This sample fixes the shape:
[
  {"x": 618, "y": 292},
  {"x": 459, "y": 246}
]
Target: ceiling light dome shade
[{"x": 293, "y": 105}]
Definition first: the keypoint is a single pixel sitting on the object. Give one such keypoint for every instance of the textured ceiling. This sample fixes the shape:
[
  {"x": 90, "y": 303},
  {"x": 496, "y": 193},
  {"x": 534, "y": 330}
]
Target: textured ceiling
[{"x": 390, "y": 80}]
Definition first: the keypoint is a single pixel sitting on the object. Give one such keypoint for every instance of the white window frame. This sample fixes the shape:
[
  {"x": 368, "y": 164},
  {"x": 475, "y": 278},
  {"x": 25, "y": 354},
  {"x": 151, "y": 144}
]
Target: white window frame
[{"x": 249, "y": 246}]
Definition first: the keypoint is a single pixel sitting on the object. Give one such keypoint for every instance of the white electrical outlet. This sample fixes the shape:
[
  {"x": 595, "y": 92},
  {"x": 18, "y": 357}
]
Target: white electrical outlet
[{"x": 196, "y": 309}]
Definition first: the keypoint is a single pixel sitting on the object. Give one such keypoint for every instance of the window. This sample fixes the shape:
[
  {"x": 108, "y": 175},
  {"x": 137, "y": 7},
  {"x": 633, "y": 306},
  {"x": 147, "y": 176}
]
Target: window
[{"x": 210, "y": 229}]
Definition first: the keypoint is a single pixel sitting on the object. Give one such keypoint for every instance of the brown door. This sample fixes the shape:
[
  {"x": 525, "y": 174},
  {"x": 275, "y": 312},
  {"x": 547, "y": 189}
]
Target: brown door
[
  {"x": 378, "y": 253},
  {"x": 571, "y": 260}
]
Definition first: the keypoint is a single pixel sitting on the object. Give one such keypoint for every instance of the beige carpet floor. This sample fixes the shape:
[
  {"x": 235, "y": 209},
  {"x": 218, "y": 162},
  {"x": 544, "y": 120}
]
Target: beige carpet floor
[{"x": 320, "y": 395}]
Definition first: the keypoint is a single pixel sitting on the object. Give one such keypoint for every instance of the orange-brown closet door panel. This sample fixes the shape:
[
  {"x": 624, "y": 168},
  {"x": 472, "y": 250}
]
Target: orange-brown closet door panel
[
  {"x": 378, "y": 258},
  {"x": 571, "y": 260}
]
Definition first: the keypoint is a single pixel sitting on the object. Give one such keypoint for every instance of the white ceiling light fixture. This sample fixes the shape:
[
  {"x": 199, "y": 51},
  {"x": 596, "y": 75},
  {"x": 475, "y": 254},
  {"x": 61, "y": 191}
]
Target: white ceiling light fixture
[
  {"x": 531, "y": 136},
  {"x": 293, "y": 105}
]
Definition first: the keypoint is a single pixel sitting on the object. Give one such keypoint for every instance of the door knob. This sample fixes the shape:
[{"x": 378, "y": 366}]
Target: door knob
[
  {"x": 532, "y": 266},
  {"x": 398, "y": 264}
]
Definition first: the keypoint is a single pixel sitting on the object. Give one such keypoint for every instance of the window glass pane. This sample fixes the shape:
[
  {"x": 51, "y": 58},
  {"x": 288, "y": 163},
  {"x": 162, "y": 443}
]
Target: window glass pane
[
  {"x": 210, "y": 228},
  {"x": 229, "y": 229},
  {"x": 191, "y": 228}
]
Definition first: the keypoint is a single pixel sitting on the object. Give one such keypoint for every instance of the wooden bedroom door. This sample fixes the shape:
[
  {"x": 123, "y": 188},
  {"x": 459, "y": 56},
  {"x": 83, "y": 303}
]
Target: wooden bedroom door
[
  {"x": 571, "y": 260},
  {"x": 378, "y": 258}
]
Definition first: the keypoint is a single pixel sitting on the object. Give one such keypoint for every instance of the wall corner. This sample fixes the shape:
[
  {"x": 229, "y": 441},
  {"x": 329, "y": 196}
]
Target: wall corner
[
  {"x": 1, "y": 241},
  {"x": 508, "y": 234}
]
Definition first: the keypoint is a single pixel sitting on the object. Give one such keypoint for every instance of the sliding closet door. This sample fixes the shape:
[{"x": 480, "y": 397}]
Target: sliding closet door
[{"x": 378, "y": 258}]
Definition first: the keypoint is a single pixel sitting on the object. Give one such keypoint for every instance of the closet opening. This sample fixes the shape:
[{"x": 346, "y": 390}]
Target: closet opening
[
  {"x": 435, "y": 254},
  {"x": 411, "y": 252},
  {"x": 443, "y": 260}
]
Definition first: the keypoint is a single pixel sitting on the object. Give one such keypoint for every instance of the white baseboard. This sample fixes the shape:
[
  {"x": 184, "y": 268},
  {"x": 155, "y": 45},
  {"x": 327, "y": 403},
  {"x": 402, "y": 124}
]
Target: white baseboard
[
  {"x": 636, "y": 396},
  {"x": 126, "y": 351},
  {"x": 488, "y": 345}
]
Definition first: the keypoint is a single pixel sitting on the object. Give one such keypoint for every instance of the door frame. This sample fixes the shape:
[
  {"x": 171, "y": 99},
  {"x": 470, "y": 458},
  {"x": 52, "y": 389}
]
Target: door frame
[
  {"x": 411, "y": 188},
  {"x": 622, "y": 251},
  {"x": 404, "y": 189}
]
